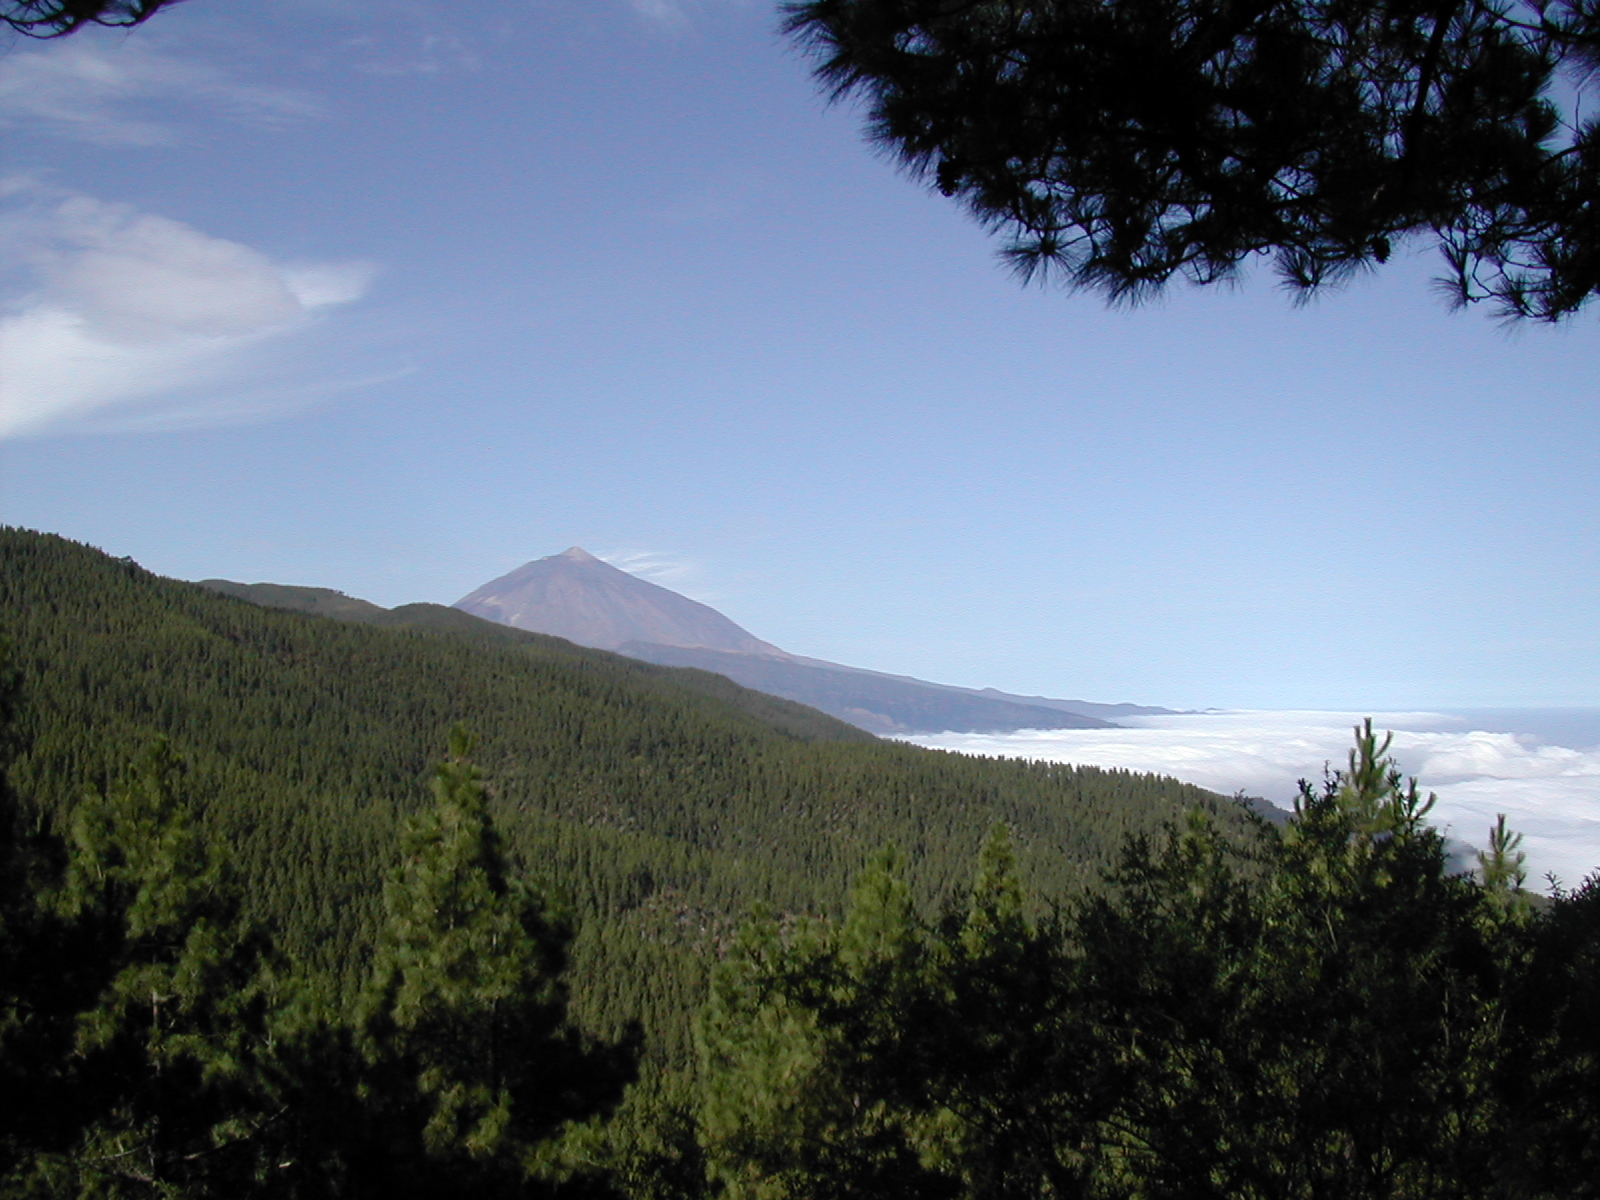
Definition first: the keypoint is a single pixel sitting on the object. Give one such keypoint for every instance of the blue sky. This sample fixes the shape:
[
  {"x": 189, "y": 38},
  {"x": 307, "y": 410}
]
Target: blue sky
[{"x": 347, "y": 293}]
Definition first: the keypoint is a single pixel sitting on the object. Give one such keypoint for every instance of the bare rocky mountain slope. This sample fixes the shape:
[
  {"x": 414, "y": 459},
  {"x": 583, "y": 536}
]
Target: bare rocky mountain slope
[{"x": 576, "y": 596}]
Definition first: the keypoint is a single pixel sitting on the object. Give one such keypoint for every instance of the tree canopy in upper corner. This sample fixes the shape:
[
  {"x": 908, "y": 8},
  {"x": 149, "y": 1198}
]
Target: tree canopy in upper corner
[
  {"x": 53, "y": 18},
  {"x": 1117, "y": 145}
]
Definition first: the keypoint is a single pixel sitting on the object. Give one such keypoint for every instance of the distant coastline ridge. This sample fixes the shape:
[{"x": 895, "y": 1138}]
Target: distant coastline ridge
[{"x": 576, "y": 596}]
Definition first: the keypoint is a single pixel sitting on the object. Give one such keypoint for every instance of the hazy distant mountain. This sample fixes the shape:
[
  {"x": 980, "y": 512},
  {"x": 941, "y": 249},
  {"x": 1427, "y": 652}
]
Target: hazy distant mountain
[
  {"x": 1085, "y": 708},
  {"x": 1082, "y": 708},
  {"x": 888, "y": 704},
  {"x": 576, "y": 596}
]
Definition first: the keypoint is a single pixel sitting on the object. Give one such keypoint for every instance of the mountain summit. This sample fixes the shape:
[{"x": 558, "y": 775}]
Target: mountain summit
[{"x": 576, "y": 596}]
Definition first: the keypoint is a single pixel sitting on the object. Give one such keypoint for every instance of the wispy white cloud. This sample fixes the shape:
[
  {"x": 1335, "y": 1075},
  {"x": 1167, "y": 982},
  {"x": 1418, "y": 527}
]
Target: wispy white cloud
[
  {"x": 669, "y": 571},
  {"x": 127, "y": 318},
  {"x": 125, "y": 93},
  {"x": 673, "y": 13},
  {"x": 1550, "y": 793},
  {"x": 668, "y": 12},
  {"x": 430, "y": 52}
]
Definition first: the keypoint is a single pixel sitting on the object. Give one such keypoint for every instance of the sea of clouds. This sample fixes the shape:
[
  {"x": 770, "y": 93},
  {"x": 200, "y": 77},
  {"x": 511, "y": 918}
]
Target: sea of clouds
[{"x": 1539, "y": 767}]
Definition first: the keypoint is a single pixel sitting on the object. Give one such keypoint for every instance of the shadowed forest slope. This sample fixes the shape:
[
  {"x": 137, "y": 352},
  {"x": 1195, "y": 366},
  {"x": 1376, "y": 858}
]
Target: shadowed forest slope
[{"x": 661, "y": 802}]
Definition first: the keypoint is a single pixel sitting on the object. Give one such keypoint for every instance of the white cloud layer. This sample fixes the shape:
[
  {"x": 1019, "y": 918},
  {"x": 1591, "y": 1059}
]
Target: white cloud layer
[
  {"x": 122, "y": 93},
  {"x": 1551, "y": 793},
  {"x": 135, "y": 320}
]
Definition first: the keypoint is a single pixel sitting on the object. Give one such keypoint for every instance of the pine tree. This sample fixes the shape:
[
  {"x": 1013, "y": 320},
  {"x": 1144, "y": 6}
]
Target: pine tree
[
  {"x": 1502, "y": 868},
  {"x": 766, "y": 1084},
  {"x": 1318, "y": 1015},
  {"x": 1321, "y": 1012},
  {"x": 163, "y": 1077},
  {"x": 1553, "y": 1082},
  {"x": 803, "y": 1053},
  {"x": 1000, "y": 1043},
  {"x": 44, "y": 980},
  {"x": 472, "y": 1068},
  {"x": 55, "y": 18}
]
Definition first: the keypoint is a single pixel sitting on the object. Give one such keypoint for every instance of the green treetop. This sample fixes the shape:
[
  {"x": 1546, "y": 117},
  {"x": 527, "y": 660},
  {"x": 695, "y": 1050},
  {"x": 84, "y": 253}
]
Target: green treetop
[{"x": 473, "y": 1066}]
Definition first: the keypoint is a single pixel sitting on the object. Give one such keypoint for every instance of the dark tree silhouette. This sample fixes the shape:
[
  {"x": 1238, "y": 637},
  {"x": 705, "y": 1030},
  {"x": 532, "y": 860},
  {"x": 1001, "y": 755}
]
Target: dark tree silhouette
[
  {"x": 54, "y": 18},
  {"x": 1120, "y": 144}
]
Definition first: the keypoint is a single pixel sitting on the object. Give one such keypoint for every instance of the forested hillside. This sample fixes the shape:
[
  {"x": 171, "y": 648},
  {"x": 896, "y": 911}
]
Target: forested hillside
[
  {"x": 878, "y": 703},
  {"x": 256, "y": 940},
  {"x": 663, "y": 802}
]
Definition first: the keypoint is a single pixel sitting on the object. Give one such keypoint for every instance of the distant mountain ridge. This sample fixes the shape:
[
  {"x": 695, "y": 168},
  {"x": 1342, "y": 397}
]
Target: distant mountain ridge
[
  {"x": 1082, "y": 708},
  {"x": 577, "y": 596},
  {"x": 883, "y": 704}
]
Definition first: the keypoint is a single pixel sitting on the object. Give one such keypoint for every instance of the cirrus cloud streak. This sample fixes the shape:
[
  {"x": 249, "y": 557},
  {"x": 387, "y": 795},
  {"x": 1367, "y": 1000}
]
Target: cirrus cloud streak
[
  {"x": 126, "y": 94},
  {"x": 127, "y": 319}
]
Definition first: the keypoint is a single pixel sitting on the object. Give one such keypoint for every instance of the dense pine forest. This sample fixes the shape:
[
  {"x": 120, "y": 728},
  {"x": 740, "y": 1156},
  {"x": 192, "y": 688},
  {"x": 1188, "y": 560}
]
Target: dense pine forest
[
  {"x": 661, "y": 802},
  {"x": 405, "y": 903}
]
